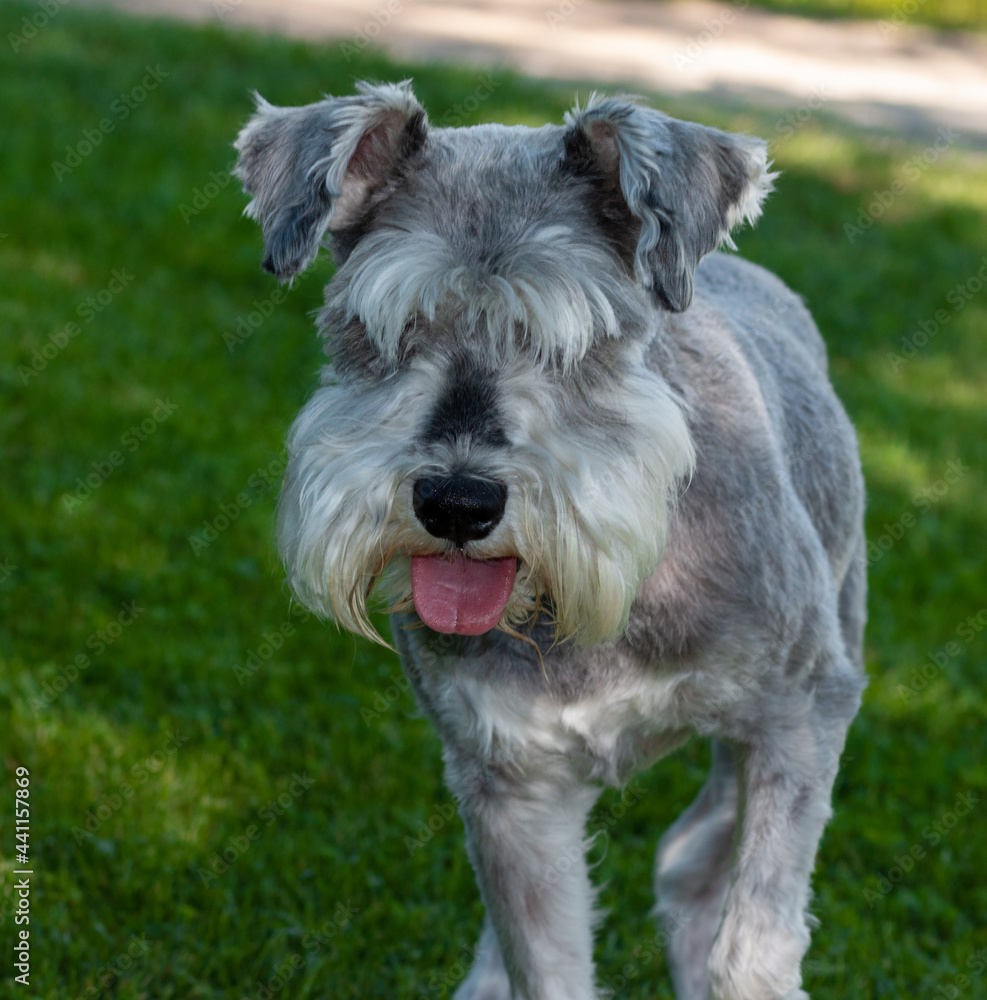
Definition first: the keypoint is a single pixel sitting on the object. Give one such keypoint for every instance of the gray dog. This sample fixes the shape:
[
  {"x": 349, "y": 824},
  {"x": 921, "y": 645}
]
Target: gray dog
[{"x": 607, "y": 491}]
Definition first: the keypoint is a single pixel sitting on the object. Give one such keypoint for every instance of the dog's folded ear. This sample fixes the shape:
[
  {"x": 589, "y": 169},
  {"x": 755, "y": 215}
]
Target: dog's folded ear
[
  {"x": 320, "y": 166},
  {"x": 687, "y": 184}
]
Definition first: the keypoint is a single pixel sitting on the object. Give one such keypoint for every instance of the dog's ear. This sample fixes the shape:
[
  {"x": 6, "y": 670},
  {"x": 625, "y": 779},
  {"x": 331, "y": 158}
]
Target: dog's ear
[
  {"x": 687, "y": 184},
  {"x": 318, "y": 167}
]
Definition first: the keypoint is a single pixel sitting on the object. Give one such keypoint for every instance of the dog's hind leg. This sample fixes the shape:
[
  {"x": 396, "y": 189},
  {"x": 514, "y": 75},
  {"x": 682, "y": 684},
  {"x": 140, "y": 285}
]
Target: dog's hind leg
[{"x": 692, "y": 874}]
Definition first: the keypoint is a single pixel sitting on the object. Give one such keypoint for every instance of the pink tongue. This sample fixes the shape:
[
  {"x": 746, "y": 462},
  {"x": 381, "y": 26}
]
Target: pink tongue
[{"x": 462, "y": 595}]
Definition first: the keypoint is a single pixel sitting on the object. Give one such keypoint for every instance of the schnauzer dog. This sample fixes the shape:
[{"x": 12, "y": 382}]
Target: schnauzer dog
[{"x": 600, "y": 478}]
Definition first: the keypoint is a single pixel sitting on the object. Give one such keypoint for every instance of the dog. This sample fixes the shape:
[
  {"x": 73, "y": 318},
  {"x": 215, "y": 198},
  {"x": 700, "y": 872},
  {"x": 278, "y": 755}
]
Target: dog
[{"x": 597, "y": 474}]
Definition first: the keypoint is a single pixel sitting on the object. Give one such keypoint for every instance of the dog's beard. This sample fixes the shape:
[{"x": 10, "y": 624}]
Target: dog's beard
[{"x": 590, "y": 481}]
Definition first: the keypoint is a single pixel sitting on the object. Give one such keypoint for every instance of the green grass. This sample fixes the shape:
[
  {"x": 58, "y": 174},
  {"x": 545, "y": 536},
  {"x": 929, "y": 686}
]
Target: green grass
[
  {"x": 949, "y": 14},
  {"x": 183, "y": 725}
]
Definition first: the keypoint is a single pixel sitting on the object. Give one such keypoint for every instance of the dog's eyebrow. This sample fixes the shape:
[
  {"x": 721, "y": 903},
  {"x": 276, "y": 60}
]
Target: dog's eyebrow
[
  {"x": 564, "y": 293},
  {"x": 467, "y": 407}
]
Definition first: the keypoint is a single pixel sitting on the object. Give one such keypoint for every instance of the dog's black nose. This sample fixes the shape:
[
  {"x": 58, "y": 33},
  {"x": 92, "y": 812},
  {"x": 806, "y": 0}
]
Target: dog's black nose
[{"x": 459, "y": 508}]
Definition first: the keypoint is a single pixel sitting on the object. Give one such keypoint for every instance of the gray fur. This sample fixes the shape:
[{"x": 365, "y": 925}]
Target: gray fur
[
  {"x": 688, "y": 184},
  {"x": 321, "y": 165},
  {"x": 684, "y": 497}
]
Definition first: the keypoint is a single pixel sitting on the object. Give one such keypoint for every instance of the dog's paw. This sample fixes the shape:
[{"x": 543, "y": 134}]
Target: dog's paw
[
  {"x": 757, "y": 993},
  {"x": 485, "y": 983},
  {"x": 756, "y": 956},
  {"x": 485, "y": 989}
]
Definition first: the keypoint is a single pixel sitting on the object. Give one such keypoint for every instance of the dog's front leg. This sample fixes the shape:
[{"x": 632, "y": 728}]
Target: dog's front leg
[
  {"x": 526, "y": 839},
  {"x": 786, "y": 777}
]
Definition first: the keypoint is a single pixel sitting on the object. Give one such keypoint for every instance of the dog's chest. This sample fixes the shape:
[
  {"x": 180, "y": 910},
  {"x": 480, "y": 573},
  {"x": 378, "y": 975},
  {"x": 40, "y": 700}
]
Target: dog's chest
[{"x": 605, "y": 733}]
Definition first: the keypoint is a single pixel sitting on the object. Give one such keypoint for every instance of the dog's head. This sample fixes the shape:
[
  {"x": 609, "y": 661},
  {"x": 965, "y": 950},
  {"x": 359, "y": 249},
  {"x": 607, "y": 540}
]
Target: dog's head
[{"x": 490, "y": 440}]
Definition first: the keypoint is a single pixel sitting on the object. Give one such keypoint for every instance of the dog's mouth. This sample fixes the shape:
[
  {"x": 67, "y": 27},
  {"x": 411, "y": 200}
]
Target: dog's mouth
[{"x": 461, "y": 595}]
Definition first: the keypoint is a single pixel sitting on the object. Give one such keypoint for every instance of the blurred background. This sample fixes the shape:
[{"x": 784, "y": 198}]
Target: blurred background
[{"x": 229, "y": 799}]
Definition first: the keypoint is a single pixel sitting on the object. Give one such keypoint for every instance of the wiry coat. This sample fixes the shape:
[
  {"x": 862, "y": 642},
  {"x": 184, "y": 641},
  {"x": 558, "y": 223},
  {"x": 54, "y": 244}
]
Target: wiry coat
[{"x": 683, "y": 490}]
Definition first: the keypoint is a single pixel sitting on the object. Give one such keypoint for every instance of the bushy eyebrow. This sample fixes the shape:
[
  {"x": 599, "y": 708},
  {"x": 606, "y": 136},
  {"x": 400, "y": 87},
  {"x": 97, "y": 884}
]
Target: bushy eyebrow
[{"x": 548, "y": 290}]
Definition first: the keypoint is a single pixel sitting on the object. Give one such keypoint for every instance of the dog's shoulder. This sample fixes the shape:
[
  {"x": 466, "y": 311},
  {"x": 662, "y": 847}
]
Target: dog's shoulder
[
  {"x": 777, "y": 466},
  {"x": 758, "y": 307}
]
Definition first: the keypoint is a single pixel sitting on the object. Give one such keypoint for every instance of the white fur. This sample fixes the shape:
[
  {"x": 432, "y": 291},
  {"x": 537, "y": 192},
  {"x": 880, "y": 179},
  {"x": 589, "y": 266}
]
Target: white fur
[{"x": 587, "y": 521}]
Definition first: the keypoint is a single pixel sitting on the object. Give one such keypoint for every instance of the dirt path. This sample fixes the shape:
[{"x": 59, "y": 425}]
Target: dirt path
[{"x": 882, "y": 74}]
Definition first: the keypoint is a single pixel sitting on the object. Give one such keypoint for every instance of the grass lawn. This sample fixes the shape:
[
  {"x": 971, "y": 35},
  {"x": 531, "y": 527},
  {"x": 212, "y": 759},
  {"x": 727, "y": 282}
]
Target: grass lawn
[
  {"x": 935, "y": 13},
  {"x": 171, "y": 704}
]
